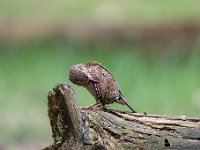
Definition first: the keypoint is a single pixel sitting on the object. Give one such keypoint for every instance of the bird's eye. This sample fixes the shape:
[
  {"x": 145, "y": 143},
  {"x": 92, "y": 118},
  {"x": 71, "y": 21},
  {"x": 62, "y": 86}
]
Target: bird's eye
[{"x": 77, "y": 81}]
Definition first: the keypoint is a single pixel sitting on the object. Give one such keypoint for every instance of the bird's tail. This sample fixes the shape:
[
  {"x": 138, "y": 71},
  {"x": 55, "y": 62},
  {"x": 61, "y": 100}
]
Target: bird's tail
[{"x": 124, "y": 102}]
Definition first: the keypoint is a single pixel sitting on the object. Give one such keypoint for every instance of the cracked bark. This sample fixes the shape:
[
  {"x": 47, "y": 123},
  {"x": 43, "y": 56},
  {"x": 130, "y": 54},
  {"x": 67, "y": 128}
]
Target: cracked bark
[{"x": 93, "y": 129}]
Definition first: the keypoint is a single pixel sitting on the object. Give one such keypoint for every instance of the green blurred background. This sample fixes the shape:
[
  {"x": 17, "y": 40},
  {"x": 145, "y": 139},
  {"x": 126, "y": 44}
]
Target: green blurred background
[{"x": 151, "y": 47}]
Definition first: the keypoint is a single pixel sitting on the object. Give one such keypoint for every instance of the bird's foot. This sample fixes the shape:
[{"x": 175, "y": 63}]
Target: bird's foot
[{"x": 97, "y": 106}]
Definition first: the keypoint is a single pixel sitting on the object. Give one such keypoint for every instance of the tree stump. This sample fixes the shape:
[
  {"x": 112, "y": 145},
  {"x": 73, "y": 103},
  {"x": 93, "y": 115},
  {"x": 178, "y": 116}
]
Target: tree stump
[{"x": 102, "y": 129}]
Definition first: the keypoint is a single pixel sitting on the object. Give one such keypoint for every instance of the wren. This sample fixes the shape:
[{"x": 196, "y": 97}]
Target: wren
[{"x": 99, "y": 81}]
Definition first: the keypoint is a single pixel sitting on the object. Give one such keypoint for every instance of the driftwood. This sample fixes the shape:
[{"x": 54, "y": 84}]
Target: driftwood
[{"x": 102, "y": 129}]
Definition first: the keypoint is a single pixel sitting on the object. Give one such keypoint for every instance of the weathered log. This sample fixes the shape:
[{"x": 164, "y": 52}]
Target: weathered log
[{"x": 102, "y": 129}]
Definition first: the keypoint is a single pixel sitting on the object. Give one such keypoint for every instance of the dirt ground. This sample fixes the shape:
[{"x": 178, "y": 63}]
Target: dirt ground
[{"x": 88, "y": 31}]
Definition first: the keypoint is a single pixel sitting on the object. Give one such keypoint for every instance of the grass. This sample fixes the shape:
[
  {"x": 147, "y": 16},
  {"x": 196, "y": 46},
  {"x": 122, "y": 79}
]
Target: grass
[
  {"x": 137, "y": 11},
  {"x": 28, "y": 71}
]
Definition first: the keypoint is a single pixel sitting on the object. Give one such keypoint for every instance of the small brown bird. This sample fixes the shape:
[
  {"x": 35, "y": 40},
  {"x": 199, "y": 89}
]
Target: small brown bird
[{"x": 99, "y": 81}]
